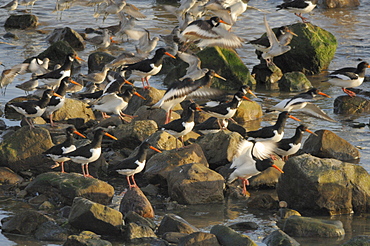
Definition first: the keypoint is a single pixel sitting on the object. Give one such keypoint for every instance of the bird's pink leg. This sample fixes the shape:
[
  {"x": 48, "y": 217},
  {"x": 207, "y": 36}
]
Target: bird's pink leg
[
  {"x": 304, "y": 19},
  {"x": 87, "y": 171},
  {"x": 51, "y": 120},
  {"x": 133, "y": 179},
  {"x": 348, "y": 92}
]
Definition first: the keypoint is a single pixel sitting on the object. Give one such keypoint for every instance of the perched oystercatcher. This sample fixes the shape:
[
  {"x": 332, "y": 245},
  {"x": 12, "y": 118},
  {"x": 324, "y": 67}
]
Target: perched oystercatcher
[
  {"x": 289, "y": 146},
  {"x": 57, "y": 102},
  {"x": 133, "y": 165},
  {"x": 298, "y": 6},
  {"x": 55, "y": 152},
  {"x": 272, "y": 133},
  {"x": 148, "y": 67},
  {"x": 303, "y": 103},
  {"x": 251, "y": 159},
  {"x": 349, "y": 77},
  {"x": 180, "y": 127},
  {"x": 90, "y": 152},
  {"x": 32, "y": 108}
]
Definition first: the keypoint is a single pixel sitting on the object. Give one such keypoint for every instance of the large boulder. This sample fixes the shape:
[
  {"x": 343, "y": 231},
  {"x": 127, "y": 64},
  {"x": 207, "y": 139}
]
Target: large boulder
[
  {"x": 69, "y": 35},
  {"x": 226, "y": 62},
  {"x": 160, "y": 165},
  {"x": 298, "y": 226},
  {"x": 8, "y": 177},
  {"x": 312, "y": 50},
  {"x": 23, "y": 149},
  {"x": 72, "y": 109},
  {"x": 21, "y": 21},
  {"x": 324, "y": 186},
  {"x": 351, "y": 105},
  {"x": 327, "y": 144},
  {"x": 174, "y": 223},
  {"x": 95, "y": 217},
  {"x": 195, "y": 184},
  {"x": 227, "y": 236},
  {"x": 57, "y": 53},
  {"x": 248, "y": 111},
  {"x": 64, "y": 187},
  {"x": 134, "y": 200}
]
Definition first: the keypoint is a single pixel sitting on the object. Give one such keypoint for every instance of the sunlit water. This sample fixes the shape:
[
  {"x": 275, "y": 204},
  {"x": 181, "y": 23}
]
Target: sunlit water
[{"x": 350, "y": 26}]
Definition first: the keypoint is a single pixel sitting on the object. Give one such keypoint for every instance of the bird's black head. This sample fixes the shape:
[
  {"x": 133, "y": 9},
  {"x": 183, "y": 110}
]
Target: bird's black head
[
  {"x": 363, "y": 65},
  {"x": 70, "y": 129},
  {"x": 262, "y": 165},
  {"x": 215, "y": 20},
  {"x": 302, "y": 128},
  {"x": 48, "y": 93}
]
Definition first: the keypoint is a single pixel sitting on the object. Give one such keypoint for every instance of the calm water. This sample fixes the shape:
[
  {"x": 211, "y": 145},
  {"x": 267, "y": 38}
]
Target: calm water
[{"x": 350, "y": 26}]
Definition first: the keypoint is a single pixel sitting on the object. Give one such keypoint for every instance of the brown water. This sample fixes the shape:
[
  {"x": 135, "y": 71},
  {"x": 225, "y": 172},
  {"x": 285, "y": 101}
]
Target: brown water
[{"x": 350, "y": 26}]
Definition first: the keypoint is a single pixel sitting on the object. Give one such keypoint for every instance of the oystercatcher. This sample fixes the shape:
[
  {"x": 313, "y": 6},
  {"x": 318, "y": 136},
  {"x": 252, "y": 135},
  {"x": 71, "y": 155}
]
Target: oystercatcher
[
  {"x": 57, "y": 102},
  {"x": 55, "y": 152},
  {"x": 272, "y": 133},
  {"x": 32, "y": 108},
  {"x": 133, "y": 165},
  {"x": 303, "y": 103},
  {"x": 180, "y": 127},
  {"x": 54, "y": 77},
  {"x": 251, "y": 159},
  {"x": 148, "y": 67},
  {"x": 290, "y": 146},
  {"x": 349, "y": 77},
  {"x": 90, "y": 152},
  {"x": 298, "y": 6}
]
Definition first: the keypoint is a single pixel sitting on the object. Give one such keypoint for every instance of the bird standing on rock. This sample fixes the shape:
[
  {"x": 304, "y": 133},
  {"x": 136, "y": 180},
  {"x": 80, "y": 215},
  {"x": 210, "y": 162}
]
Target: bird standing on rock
[
  {"x": 298, "y": 6},
  {"x": 55, "y": 152},
  {"x": 133, "y": 165}
]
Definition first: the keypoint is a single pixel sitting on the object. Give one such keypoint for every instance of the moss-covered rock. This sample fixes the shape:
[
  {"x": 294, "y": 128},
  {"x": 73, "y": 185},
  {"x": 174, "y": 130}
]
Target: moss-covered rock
[
  {"x": 225, "y": 62},
  {"x": 312, "y": 51},
  {"x": 294, "y": 81},
  {"x": 64, "y": 187},
  {"x": 351, "y": 105},
  {"x": 21, "y": 21}
]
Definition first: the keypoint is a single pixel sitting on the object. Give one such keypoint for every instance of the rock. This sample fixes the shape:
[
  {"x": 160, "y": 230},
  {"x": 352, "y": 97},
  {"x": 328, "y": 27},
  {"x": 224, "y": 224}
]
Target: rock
[
  {"x": 23, "y": 149},
  {"x": 173, "y": 237},
  {"x": 199, "y": 239},
  {"x": 287, "y": 212},
  {"x": 324, "y": 186},
  {"x": 294, "y": 81},
  {"x": 57, "y": 53},
  {"x": 97, "y": 61},
  {"x": 135, "y": 200},
  {"x": 73, "y": 108},
  {"x": 134, "y": 232},
  {"x": 21, "y": 21},
  {"x": 150, "y": 190},
  {"x": 226, "y": 62},
  {"x": 351, "y": 105},
  {"x": 8, "y": 177},
  {"x": 223, "y": 148},
  {"x": 64, "y": 187},
  {"x": 131, "y": 135},
  {"x": 51, "y": 231},
  {"x": 329, "y": 145},
  {"x": 25, "y": 223},
  {"x": 362, "y": 240},
  {"x": 158, "y": 114},
  {"x": 267, "y": 76},
  {"x": 152, "y": 96},
  {"x": 159, "y": 166},
  {"x": 46, "y": 206},
  {"x": 298, "y": 226},
  {"x": 69, "y": 35},
  {"x": 312, "y": 50},
  {"x": 244, "y": 226},
  {"x": 227, "y": 236},
  {"x": 95, "y": 217},
  {"x": 195, "y": 184},
  {"x": 174, "y": 223},
  {"x": 2, "y": 122},
  {"x": 263, "y": 202},
  {"x": 279, "y": 238},
  {"x": 330, "y": 4},
  {"x": 38, "y": 200},
  {"x": 248, "y": 111},
  {"x": 133, "y": 217},
  {"x": 86, "y": 238}
]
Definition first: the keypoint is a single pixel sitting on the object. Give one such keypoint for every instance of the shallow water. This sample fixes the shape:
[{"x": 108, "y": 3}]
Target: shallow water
[{"x": 350, "y": 26}]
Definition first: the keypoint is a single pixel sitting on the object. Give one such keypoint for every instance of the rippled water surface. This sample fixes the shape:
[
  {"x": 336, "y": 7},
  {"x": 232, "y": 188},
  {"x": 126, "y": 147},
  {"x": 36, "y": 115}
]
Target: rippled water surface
[{"x": 350, "y": 26}]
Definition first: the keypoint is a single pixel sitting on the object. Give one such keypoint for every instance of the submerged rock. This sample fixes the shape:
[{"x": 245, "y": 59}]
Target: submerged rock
[
  {"x": 25, "y": 223},
  {"x": 324, "y": 186},
  {"x": 64, "y": 187},
  {"x": 21, "y": 21},
  {"x": 51, "y": 231},
  {"x": 362, "y": 240},
  {"x": 298, "y": 226},
  {"x": 92, "y": 216}
]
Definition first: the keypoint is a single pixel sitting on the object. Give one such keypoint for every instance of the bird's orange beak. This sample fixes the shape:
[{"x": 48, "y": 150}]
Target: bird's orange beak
[
  {"x": 251, "y": 92},
  {"x": 246, "y": 98},
  {"x": 311, "y": 132},
  {"x": 57, "y": 95},
  {"x": 278, "y": 168},
  {"x": 137, "y": 94},
  {"x": 154, "y": 148},
  {"x": 79, "y": 134},
  {"x": 294, "y": 118},
  {"x": 323, "y": 94},
  {"x": 79, "y": 58},
  {"x": 219, "y": 76},
  {"x": 221, "y": 21},
  {"x": 74, "y": 82},
  {"x": 128, "y": 82},
  {"x": 292, "y": 33},
  {"x": 170, "y": 55},
  {"x": 111, "y": 136}
]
